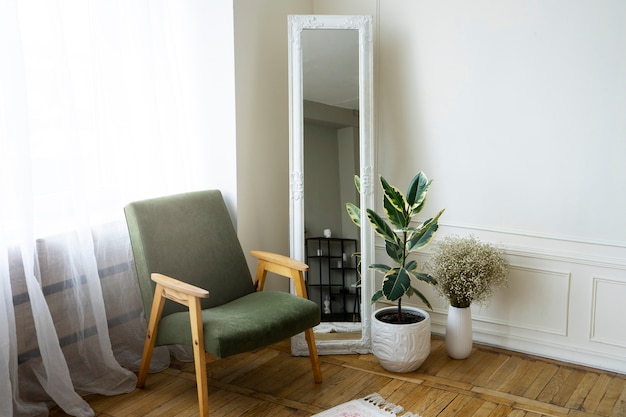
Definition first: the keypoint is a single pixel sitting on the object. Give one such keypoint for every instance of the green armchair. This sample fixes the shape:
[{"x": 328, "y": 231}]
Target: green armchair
[{"x": 197, "y": 290}]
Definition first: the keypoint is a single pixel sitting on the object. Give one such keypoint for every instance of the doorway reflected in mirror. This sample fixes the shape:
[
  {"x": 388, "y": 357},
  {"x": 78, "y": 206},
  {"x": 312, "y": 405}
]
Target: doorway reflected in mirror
[{"x": 330, "y": 79}]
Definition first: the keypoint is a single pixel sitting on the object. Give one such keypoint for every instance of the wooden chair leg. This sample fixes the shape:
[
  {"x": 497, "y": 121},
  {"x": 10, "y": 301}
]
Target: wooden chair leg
[
  {"x": 148, "y": 345},
  {"x": 315, "y": 360},
  {"x": 199, "y": 356}
]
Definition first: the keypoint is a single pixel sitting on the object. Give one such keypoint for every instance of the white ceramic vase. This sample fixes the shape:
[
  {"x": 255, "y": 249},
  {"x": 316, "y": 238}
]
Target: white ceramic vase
[
  {"x": 459, "y": 332},
  {"x": 401, "y": 347}
]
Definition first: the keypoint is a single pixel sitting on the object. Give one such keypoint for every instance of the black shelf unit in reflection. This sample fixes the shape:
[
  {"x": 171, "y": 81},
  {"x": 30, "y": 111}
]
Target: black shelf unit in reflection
[{"x": 332, "y": 278}]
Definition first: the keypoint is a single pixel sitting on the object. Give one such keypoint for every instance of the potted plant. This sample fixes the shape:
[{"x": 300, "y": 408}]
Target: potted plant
[
  {"x": 400, "y": 335},
  {"x": 467, "y": 271}
]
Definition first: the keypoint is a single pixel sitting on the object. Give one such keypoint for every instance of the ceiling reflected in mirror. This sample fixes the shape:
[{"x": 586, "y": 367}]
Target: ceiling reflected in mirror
[{"x": 330, "y": 67}]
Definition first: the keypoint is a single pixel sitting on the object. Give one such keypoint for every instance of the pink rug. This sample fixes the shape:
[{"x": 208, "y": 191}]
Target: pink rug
[{"x": 371, "y": 406}]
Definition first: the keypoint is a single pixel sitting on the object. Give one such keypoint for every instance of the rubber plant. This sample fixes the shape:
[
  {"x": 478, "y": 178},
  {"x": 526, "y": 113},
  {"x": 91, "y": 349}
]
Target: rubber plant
[{"x": 401, "y": 238}]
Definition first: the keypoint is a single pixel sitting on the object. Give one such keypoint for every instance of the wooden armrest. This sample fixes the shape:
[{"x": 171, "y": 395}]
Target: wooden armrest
[
  {"x": 281, "y": 265},
  {"x": 188, "y": 295},
  {"x": 280, "y": 260},
  {"x": 179, "y": 286}
]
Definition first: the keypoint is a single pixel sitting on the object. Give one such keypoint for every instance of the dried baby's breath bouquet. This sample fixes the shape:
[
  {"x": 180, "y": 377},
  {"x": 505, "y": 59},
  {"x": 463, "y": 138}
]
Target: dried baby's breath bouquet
[{"x": 467, "y": 270}]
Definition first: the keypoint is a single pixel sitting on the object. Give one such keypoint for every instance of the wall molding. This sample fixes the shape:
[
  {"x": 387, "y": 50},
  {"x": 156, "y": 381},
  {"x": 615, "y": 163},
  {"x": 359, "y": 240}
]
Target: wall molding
[
  {"x": 617, "y": 314},
  {"x": 577, "y": 285},
  {"x": 561, "y": 329},
  {"x": 596, "y": 252},
  {"x": 536, "y": 235},
  {"x": 599, "y": 253}
]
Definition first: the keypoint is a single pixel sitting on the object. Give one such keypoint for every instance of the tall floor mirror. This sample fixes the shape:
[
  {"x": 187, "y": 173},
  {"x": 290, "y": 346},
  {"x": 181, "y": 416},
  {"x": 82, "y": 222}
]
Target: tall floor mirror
[{"x": 331, "y": 127}]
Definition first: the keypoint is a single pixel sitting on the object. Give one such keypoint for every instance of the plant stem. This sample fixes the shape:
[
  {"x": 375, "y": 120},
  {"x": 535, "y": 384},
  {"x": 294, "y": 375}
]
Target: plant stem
[{"x": 404, "y": 236}]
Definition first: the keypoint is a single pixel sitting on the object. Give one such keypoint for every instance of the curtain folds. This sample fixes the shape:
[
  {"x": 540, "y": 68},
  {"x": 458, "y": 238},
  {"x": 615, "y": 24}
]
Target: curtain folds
[{"x": 93, "y": 114}]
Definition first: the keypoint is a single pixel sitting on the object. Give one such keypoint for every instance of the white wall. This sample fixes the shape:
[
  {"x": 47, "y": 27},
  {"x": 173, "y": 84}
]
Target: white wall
[
  {"x": 331, "y": 160},
  {"x": 322, "y": 198},
  {"x": 261, "y": 78},
  {"x": 516, "y": 110},
  {"x": 349, "y": 151},
  {"x": 263, "y": 124}
]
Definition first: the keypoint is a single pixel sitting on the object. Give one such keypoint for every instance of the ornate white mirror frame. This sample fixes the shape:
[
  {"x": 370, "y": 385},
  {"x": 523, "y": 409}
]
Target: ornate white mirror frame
[{"x": 362, "y": 24}]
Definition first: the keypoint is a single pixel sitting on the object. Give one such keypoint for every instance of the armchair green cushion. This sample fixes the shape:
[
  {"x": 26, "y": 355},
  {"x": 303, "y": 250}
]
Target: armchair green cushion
[{"x": 255, "y": 320}]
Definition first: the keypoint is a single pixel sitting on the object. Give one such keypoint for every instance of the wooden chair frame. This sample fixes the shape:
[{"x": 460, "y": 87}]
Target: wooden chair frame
[{"x": 190, "y": 296}]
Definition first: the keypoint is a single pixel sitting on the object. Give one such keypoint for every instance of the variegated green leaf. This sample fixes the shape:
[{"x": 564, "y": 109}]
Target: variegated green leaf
[
  {"x": 411, "y": 265},
  {"x": 396, "y": 217},
  {"x": 355, "y": 213},
  {"x": 377, "y": 296},
  {"x": 427, "y": 278},
  {"x": 396, "y": 283},
  {"x": 381, "y": 227},
  {"x": 380, "y": 268},
  {"x": 395, "y": 198},
  {"x": 417, "y": 189},
  {"x": 422, "y": 297},
  {"x": 424, "y": 234},
  {"x": 423, "y": 238},
  {"x": 394, "y": 251}
]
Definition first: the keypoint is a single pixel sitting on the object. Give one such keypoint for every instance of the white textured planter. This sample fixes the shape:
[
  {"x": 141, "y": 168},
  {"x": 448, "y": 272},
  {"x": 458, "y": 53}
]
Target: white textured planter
[
  {"x": 401, "y": 347},
  {"x": 459, "y": 332}
]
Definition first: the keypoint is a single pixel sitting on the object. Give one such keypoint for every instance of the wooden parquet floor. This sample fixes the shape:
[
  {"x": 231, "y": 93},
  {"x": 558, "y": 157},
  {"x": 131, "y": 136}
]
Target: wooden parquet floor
[{"x": 269, "y": 382}]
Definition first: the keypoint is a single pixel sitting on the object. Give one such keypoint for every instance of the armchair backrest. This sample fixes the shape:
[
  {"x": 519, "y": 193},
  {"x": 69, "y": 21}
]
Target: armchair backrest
[{"x": 189, "y": 237}]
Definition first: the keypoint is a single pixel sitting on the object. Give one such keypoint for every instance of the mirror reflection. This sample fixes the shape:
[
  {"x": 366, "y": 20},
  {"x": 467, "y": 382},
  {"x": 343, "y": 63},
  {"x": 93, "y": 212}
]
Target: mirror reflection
[
  {"x": 330, "y": 140},
  {"x": 330, "y": 83}
]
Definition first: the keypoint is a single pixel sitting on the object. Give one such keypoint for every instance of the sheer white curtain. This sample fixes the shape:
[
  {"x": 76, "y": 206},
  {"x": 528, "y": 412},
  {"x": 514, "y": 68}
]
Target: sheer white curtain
[{"x": 98, "y": 107}]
